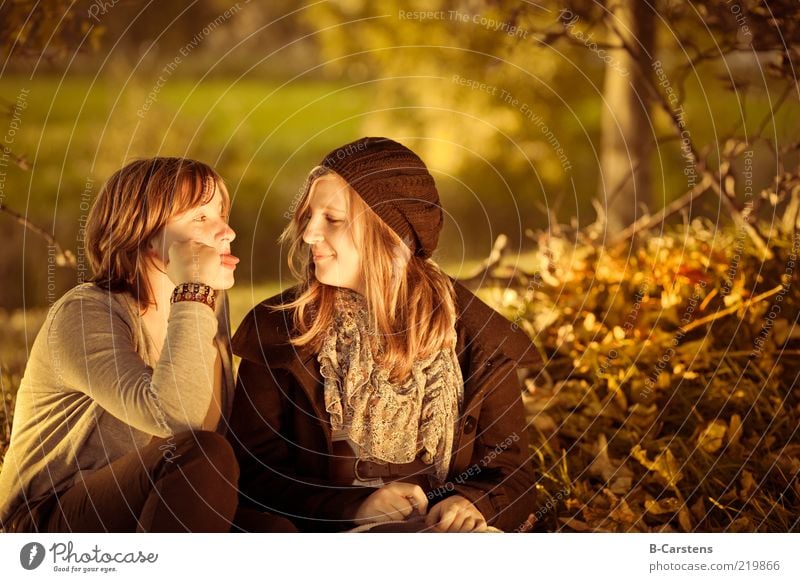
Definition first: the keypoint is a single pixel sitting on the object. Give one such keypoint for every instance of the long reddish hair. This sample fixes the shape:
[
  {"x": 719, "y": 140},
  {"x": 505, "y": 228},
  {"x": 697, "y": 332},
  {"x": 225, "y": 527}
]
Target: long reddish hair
[{"x": 411, "y": 301}]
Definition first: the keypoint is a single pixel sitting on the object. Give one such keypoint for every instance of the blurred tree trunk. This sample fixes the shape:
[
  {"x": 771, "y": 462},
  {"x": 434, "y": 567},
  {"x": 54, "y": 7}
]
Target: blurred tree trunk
[{"x": 627, "y": 137}]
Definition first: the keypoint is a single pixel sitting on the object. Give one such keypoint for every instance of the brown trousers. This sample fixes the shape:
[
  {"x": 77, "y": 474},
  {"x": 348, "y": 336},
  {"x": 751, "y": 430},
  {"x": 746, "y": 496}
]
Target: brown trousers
[{"x": 184, "y": 483}]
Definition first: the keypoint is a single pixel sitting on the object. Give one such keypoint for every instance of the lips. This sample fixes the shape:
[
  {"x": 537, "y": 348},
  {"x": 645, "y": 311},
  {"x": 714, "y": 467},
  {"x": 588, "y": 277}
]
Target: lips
[
  {"x": 228, "y": 260},
  {"x": 321, "y": 256}
]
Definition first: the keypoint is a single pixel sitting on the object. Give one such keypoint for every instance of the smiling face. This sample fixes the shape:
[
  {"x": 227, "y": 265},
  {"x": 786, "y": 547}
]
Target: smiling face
[
  {"x": 207, "y": 224},
  {"x": 331, "y": 234}
]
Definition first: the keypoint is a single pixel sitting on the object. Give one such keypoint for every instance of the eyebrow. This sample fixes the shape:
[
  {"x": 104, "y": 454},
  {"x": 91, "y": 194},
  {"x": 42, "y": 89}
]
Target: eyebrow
[{"x": 328, "y": 208}]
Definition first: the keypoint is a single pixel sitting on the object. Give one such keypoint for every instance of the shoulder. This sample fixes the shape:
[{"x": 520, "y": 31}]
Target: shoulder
[
  {"x": 483, "y": 326},
  {"x": 85, "y": 301},
  {"x": 263, "y": 335},
  {"x": 84, "y": 318}
]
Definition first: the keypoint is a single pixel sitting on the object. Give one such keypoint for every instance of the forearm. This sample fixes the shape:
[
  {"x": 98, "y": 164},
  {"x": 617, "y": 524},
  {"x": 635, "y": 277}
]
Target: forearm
[
  {"x": 314, "y": 501},
  {"x": 94, "y": 351},
  {"x": 183, "y": 379},
  {"x": 499, "y": 478}
]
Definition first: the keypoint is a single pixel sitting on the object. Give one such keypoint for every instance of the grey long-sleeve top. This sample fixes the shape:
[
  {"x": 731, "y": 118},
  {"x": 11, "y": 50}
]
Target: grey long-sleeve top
[{"x": 92, "y": 390}]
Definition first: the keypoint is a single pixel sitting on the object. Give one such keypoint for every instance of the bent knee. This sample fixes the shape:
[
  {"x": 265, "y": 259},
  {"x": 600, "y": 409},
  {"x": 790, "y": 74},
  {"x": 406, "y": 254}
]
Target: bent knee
[
  {"x": 214, "y": 443},
  {"x": 207, "y": 448}
]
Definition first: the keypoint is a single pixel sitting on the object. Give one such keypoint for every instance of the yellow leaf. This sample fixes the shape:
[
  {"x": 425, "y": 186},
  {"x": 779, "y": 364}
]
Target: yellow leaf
[
  {"x": 665, "y": 465},
  {"x": 732, "y": 299},
  {"x": 711, "y": 438},
  {"x": 623, "y": 513},
  {"x": 510, "y": 296},
  {"x": 613, "y": 471},
  {"x": 699, "y": 509},
  {"x": 748, "y": 486},
  {"x": 662, "y": 506},
  {"x": 685, "y": 519},
  {"x": 669, "y": 299}
]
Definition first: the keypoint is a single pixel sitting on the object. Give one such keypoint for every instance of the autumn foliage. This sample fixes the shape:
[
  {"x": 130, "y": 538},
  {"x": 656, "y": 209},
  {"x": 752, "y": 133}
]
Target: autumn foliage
[{"x": 668, "y": 401}]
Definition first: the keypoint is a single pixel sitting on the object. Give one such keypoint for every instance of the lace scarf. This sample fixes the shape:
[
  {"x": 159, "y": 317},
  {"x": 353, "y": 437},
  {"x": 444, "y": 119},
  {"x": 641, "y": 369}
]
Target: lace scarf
[{"x": 390, "y": 422}]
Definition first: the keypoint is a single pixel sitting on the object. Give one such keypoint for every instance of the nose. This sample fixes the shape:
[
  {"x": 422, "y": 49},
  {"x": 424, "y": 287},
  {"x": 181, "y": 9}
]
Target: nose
[
  {"x": 312, "y": 234},
  {"x": 227, "y": 233}
]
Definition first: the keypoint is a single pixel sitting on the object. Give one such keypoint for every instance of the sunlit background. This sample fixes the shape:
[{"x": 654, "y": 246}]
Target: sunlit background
[
  {"x": 620, "y": 179},
  {"x": 504, "y": 100}
]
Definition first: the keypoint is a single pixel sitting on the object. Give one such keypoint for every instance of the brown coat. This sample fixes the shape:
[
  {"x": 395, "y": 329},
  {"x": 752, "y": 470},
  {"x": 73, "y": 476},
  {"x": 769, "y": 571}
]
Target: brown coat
[{"x": 282, "y": 435}]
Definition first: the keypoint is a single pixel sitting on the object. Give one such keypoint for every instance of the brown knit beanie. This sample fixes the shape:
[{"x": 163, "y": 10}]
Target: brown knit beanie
[{"x": 396, "y": 185}]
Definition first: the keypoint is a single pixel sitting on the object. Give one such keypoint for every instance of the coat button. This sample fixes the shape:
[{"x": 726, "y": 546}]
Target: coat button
[{"x": 469, "y": 425}]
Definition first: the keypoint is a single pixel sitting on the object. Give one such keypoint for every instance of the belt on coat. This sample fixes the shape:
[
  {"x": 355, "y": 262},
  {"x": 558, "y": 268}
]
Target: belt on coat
[{"x": 346, "y": 468}]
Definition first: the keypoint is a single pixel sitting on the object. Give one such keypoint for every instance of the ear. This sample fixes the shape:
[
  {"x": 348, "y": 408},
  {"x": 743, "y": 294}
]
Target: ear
[
  {"x": 401, "y": 255},
  {"x": 150, "y": 248},
  {"x": 153, "y": 246}
]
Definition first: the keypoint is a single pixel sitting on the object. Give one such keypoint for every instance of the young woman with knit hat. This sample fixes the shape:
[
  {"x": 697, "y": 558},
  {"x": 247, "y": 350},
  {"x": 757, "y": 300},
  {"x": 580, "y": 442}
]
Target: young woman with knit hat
[{"x": 379, "y": 389}]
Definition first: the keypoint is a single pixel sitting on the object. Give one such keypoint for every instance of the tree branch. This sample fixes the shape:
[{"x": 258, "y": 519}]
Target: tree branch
[
  {"x": 728, "y": 310},
  {"x": 699, "y": 166},
  {"x": 64, "y": 258},
  {"x": 19, "y": 161},
  {"x": 648, "y": 222},
  {"x": 490, "y": 262}
]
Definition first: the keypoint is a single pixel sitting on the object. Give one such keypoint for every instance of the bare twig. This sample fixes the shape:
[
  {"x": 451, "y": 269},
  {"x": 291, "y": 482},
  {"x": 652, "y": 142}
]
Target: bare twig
[
  {"x": 489, "y": 263},
  {"x": 770, "y": 116},
  {"x": 64, "y": 258},
  {"x": 20, "y": 161},
  {"x": 621, "y": 186},
  {"x": 731, "y": 309},
  {"x": 742, "y": 222},
  {"x": 648, "y": 222},
  {"x": 688, "y": 143}
]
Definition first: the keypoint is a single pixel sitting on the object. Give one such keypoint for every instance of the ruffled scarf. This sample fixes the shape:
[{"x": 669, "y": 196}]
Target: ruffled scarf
[{"x": 388, "y": 421}]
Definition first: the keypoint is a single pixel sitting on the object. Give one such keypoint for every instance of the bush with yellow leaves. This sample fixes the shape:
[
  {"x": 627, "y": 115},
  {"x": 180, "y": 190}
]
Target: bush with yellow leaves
[{"x": 668, "y": 401}]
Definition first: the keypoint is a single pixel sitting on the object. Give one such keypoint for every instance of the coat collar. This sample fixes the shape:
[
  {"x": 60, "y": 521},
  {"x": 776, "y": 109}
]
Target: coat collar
[{"x": 263, "y": 336}]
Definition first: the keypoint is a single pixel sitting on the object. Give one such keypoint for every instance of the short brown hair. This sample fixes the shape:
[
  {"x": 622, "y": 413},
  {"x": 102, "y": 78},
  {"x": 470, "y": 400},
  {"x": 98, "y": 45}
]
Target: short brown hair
[{"x": 133, "y": 206}]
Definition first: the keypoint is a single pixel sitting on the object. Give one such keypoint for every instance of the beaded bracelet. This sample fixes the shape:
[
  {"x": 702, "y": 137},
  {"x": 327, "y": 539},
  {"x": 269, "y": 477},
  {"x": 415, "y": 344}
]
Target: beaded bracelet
[{"x": 194, "y": 292}]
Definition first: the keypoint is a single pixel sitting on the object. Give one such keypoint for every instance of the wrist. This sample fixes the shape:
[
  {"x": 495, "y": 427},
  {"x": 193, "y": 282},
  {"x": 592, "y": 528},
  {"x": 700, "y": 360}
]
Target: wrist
[
  {"x": 353, "y": 510},
  {"x": 198, "y": 292}
]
